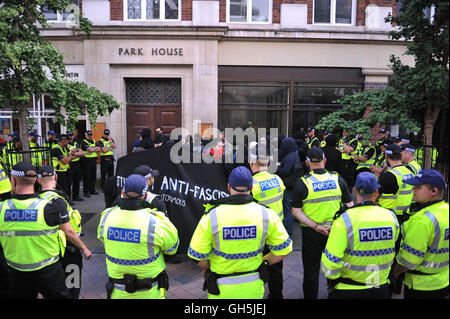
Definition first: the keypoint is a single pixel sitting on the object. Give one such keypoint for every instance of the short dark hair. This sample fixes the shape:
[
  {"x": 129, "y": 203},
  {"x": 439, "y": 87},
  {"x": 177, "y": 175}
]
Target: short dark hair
[{"x": 394, "y": 156}]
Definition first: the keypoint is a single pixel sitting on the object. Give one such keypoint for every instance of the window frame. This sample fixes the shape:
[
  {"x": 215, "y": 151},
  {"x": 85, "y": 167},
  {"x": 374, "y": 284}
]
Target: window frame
[
  {"x": 333, "y": 14},
  {"x": 248, "y": 19},
  {"x": 162, "y": 12},
  {"x": 59, "y": 15}
]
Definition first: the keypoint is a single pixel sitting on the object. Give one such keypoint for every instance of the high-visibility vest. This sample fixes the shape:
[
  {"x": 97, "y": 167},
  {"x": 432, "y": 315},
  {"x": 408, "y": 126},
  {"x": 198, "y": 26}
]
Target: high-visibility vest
[
  {"x": 361, "y": 247},
  {"x": 49, "y": 144},
  {"x": 415, "y": 167},
  {"x": 357, "y": 151},
  {"x": 324, "y": 197},
  {"x": 5, "y": 183},
  {"x": 323, "y": 143},
  {"x": 28, "y": 242},
  {"x": 88, "y": 154},
  {"x": 370, "y": 161},
  {"x": 268, "y": 190},
  {"x": 36, "y": 155},
  {"x": 58, "y": 166},
  {"x": 107, "y": 144},
  {"x": 380, "y": 160},
  {"x": 420, "y": 156},
  {"x": 401, "y": 201},
  {"x": 74, "y": 214},
  {"x": 425, "y": 249},
  {"x": 135, "y": 241},
  {"x": 10, "y": 159},
  {"x": 311, "y": 141},
  {"x": 345, "y": 156},
  {"x": 71, "y": 147},
  {"x": 239, "y": 234}
]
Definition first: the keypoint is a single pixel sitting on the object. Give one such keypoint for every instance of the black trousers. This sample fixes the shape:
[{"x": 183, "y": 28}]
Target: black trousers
[
  {"x": 275, "y": 283},
  {"x": 5, "y": 280},
  {"x": 72, "y": 263},
  {"x": 313, "y": 243},
  {"x": 347, "y": 171},
  {"x": 89, "y": 175},
  {"x": 49, "y": 281},
  {"x": 76, "y": 177},
  {"x": 381, "y": 292},
  {"x": 430, "y": 294},
  {"x": 63, "y": 182},
  {"x": 106, "y": 168}
]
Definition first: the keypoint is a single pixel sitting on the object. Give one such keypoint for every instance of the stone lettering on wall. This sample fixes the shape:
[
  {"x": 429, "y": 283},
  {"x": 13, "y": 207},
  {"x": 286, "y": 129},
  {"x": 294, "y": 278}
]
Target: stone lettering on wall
[{"x": 155, "y": 51}]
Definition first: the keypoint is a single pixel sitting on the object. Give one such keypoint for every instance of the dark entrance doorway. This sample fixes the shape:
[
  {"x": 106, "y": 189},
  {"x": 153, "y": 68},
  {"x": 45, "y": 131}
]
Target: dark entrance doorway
[{"x": 152, "y": 103}]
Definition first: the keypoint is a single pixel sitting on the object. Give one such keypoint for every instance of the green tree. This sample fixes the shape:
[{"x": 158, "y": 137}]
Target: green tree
[
  {"x": 419, "y": 88},
  {"x": 31, "y": 65}
]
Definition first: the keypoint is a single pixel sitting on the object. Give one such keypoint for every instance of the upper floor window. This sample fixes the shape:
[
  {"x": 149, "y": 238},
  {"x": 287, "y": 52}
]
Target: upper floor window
[
  {"x": 335, "y": 12},
  {"x": 67, "y": 14},
  {"x": 256, "y": 11},
  {"x": 152, "y": 9}
]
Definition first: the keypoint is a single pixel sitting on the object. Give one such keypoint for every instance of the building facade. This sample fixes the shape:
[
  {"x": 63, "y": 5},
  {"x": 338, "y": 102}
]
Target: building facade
[{"x": 226, "y": 63}]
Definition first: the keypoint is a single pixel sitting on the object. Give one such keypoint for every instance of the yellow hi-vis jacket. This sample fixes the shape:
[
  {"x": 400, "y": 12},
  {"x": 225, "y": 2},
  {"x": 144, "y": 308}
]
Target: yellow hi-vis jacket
[
  {"x": 5, "y": 183},
  {"x": 268, "y": 189},
  {"x": 361, "y": 246},
  {"x": 401, "y": 201},
  {"x": 424, "y": 248},
  {"x": 29, "y": 244},
  {"x": 232, "y": 237},
  {"x": 135, "y": 241}
]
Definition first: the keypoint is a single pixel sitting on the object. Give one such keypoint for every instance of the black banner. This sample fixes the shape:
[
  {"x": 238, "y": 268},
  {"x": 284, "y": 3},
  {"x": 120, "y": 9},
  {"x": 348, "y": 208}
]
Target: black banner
[{"x": 184, "y": 187}]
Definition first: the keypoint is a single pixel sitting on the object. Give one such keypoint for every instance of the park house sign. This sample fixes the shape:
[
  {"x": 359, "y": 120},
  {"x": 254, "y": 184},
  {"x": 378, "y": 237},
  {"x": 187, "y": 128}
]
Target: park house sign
[{"x": 154, "y": 51}]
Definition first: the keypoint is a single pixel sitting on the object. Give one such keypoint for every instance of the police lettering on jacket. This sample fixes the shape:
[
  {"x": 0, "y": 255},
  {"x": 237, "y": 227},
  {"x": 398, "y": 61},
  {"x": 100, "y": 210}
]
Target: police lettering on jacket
[
  {"x": 323, "y": 186},
  {"x": 269, "y": 184},
  {"x": 239, "y": 232},
  {"x": 21, "y": 215},
  {"x": 124, "y": 235},
  {"x": 376, "y": 234}
]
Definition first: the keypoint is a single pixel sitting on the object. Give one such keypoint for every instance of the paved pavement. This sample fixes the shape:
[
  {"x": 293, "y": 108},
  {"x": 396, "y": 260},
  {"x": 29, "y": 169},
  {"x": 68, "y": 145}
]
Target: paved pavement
[{"x": 185, "y": 278}]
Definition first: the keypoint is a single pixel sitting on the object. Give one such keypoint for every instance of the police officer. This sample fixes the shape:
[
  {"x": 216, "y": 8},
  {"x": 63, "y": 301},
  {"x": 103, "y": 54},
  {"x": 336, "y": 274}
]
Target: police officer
[
  {"x": 229, "y": 240},
  {"x": 71, "y": 254},
  {"x": 313, "y": 141},
  {"x": 323, "y": 143},
  {"x": 49, "y": 143},
  {"x": 317, "y": 197},
  {"x": 268, "y": 190},
  {"x": 107, "y": 145},
  {"x": 89, "y": 148},
  {"x": 380, "y": 164},
  {"x": 395, "y": 194},
  {"x": 347, "y": 169},
  {"x": 366, "y": 159},
  {"x": 362, "y": 228},
  {"x": 408, "y": 159},
  {"x": 423, "y": 255},
  {"x": 381, "y": 141},
  {"x": 29, "y": 236},
  {"x": 5, "y": 184},
  {"x": 75, "y": 168},
  {"x": 5, "y": 193},
  {"x": 12, "y": 152},
  {"x": 37, "y": 156},
  {"x": 61, "y": 158},
  {"x": 135, "y": 240}
]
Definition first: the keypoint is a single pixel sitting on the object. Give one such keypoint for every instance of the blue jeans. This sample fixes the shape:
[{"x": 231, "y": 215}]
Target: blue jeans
[{"x": 287, "y": 211}]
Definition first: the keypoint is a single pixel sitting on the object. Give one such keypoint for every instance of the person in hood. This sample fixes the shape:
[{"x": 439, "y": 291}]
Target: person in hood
[
  {"x": 332, "y": 154},
  {"x": 289, "y": 169}
]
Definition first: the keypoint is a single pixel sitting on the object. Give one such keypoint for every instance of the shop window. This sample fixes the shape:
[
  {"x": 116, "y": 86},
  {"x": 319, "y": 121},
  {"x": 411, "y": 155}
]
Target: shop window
[
  {"x": 66, "y": 15},
  {"x": 249, "y": 11},
  {"x": 152, "y": 9},
  {"x": 342, "y": 12}
]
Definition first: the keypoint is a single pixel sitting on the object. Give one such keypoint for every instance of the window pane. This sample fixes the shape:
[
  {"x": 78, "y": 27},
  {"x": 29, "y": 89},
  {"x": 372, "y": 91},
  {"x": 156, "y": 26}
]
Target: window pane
[
  {"x": 152, "y": 10},
  {"x": 344, "y": 11},
  {"x": 172, "y": 92},
  {"x": 257, "y": 95},
  {"x": 134, "y": 9},
  {"x": 238, "y": 10},
  {"x": 49, "y": 14},
  {"x": 322, "y": 10},
  {"x": 171, "y": 9},
  {"x": 321, "y": 95},
  {"x": 260, "y": 10},
  {"x": 67, "y": 13},
  {"x": 256, "y": 118},
  {"x": 135, "y": 94}
]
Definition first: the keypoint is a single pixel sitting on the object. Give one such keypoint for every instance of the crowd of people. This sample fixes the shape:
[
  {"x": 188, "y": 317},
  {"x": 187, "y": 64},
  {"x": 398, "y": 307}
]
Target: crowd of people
[{"x": 372, "y": 220}]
